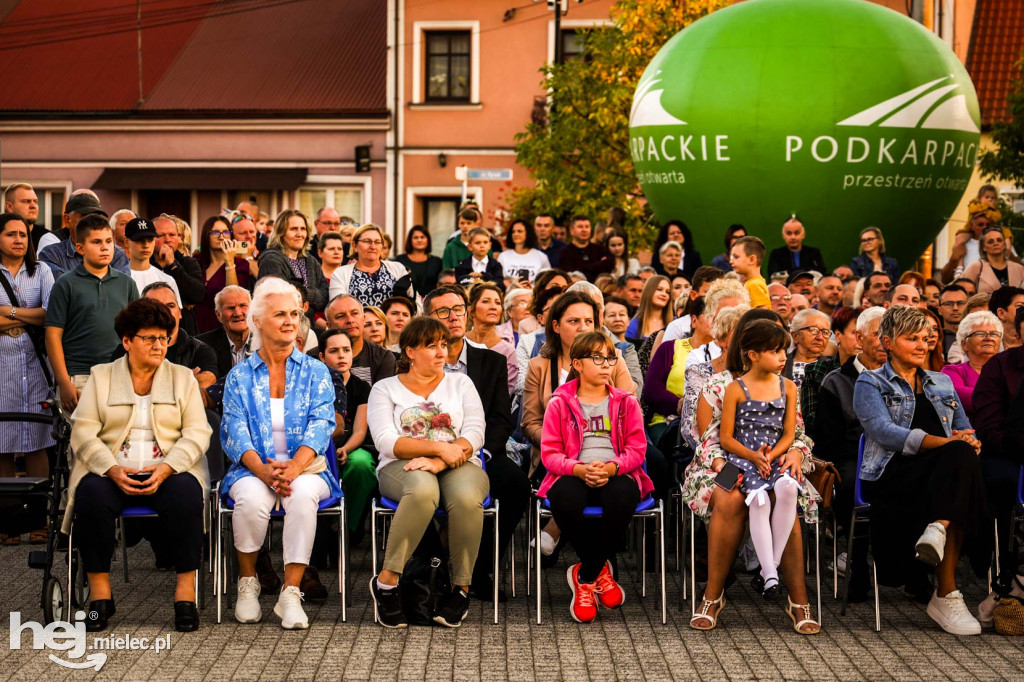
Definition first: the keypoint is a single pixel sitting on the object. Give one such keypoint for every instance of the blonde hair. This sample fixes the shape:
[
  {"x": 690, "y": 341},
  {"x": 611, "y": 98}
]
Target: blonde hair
[
  {"x": 281, "y": 226},
  {"x": 726, "y": 321},
  {"x": 881, "y": 239},
  {"x": 720, "y": 289}
]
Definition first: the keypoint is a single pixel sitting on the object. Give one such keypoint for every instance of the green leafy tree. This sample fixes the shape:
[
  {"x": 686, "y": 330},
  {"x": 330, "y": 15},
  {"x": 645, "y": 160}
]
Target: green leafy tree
[
  {"x": 577, "y": 150},
  {"x": 1006, "y": 161}
]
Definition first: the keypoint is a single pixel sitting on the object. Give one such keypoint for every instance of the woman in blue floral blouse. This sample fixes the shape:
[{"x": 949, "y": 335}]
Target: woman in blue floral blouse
[{"x": 276, "y": 447}]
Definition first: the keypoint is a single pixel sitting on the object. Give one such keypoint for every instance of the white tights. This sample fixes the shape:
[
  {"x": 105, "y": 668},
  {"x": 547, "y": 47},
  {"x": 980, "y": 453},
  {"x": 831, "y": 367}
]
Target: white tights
[
  {"x": 770, "y": 530},
  {"x": 253, "y": 503}
]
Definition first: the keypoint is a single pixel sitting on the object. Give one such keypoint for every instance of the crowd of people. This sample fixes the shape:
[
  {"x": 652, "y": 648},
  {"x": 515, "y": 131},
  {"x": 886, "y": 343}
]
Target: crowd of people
[{"x": 549, "y": 363}]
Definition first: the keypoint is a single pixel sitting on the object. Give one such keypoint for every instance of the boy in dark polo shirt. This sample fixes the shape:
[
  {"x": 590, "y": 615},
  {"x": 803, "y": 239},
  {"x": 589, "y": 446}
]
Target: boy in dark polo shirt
[{"x": 83, "y": 304}]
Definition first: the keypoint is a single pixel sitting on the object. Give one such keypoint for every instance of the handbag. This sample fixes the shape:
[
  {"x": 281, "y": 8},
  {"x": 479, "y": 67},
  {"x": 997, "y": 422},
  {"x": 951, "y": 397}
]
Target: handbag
[
  {"x": 425, "y": 580},
  {"x": 824, "y": 477},
  {"x": 1009, "y": 615},
  {"x": 35, "y": 334}
]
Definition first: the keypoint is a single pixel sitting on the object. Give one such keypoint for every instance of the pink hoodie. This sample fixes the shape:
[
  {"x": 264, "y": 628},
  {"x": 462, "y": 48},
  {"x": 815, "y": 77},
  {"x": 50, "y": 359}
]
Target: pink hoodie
[{"x": 562, "y": 437}]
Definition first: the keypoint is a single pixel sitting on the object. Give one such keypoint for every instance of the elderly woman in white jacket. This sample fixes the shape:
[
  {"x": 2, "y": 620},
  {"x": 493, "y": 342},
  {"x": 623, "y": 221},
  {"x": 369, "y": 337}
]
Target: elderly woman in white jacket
[
  {"x": 140, "y": 435},
  {"x": 369, "y": 278}
]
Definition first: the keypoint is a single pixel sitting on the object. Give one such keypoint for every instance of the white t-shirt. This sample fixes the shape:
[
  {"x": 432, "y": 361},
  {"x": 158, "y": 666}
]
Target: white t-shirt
[
  {"x": 533, "y": 261},
  {"x": 679, "y": 328},
  {"x": 144, "y": 278},
  {"x": 278, "y": 429},
  {"x": 706, "y": 353},
  {"x": 452, "y": 411}
]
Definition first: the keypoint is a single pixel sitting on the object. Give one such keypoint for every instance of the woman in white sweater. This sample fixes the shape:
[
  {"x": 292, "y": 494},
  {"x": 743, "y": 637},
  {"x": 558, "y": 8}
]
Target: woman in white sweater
[{"x": 428, "y": 426}]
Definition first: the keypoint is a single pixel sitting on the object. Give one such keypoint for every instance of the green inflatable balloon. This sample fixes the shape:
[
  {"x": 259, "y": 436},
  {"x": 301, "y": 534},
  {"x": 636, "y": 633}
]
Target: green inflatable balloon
[{"x": 843, "y": 112}]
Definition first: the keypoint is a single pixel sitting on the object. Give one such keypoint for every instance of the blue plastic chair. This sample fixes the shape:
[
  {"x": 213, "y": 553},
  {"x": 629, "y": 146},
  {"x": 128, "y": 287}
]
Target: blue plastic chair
[
  {"x": 144, "y": 512},
  {"x": 329, "y": 506},
  {"x": 649, "y": 507},
  {"x": 386, "y": 507},
  {"x": 860, "y": 508}
]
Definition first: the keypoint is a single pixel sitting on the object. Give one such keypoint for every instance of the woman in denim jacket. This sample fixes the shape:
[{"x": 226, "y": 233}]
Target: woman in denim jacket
[{"x": 921, "y": 473}]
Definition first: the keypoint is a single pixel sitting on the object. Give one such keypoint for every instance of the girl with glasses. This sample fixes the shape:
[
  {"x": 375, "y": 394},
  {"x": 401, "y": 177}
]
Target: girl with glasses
[{"x": 593, "y": 447}]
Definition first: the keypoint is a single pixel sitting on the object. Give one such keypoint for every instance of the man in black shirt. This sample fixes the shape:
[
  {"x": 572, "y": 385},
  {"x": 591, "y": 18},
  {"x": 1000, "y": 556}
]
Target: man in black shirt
[
  {"x": 581, "y": 254},
  {"x": 184, "y": 269},
  {"x": 21, "y": 199},
  {"x": 794, "y": 255},
  {"x": 370, "y": 362}
]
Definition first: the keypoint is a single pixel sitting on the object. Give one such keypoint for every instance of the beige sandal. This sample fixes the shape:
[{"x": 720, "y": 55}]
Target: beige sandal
[
  {"x": 705, "y": 606},
  {"x": 806, "y": 608}
]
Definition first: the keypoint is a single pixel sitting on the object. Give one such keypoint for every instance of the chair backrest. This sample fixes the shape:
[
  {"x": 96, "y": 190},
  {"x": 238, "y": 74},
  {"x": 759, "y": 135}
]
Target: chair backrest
[
  {"x": 332, "y": 462},
  {"x": 858, "y": 497}
]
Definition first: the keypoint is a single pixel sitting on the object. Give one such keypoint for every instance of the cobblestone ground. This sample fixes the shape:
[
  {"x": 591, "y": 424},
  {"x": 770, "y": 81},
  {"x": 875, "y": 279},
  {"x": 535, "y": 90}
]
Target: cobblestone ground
[{"x": 753, "y": 641}]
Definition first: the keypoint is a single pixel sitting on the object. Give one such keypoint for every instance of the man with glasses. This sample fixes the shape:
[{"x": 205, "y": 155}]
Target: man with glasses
[
  {"x": 952, "y": 304},
  {"x": 811, "y": 334},
  {"x": 370, "y": 362},
  {"x": 327, "y": 220},
  {"x": 488, "y": 371},
  {"x": 781, "y": 300}
]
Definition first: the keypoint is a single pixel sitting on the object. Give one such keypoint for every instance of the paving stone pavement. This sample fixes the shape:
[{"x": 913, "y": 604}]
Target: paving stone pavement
[{"x": 753, "y": 641}]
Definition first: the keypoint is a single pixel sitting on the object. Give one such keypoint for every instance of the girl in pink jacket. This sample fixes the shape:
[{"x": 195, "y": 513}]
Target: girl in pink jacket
[{"x": 593, "y": 448}]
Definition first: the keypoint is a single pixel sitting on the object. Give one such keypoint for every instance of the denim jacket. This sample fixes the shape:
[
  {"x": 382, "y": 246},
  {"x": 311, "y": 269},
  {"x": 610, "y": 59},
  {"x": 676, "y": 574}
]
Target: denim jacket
[
  {"x": 308, "y": 414},
  {"x": 885, "y": 403}
]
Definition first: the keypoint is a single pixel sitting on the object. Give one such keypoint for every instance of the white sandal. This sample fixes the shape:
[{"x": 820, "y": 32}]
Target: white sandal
[
  {"x": 705, "y": 606},
  {"x": 806, "y": 608}
]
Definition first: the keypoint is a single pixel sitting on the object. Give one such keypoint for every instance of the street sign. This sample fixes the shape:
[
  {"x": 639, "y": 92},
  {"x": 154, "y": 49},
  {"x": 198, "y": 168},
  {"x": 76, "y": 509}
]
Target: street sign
[{"x": 488, "y": 173}]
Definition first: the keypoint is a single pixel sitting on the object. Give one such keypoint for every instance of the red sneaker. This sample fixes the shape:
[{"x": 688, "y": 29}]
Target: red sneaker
[
  {"x": 583, "y": 607},
  {"x": 609, "y": 592}
]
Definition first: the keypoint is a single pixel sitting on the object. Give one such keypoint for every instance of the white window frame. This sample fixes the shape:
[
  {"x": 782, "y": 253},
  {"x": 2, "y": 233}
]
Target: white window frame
[
  {"x": 474, "y": 192},
  {"x": 329, "y": 183},
  {"x": 45, "y": 186},
  {"x": 572, "y": 23},
  {"x": 419, "y": 28}
]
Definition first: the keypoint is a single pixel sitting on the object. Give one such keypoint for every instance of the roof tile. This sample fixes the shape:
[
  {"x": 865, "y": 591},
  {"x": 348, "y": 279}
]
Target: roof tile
[{"x": 997, "y": 39}]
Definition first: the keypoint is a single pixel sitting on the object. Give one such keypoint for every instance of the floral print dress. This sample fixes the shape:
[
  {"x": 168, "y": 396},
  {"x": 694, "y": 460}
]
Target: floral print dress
[{"x": 699, "y": 478}]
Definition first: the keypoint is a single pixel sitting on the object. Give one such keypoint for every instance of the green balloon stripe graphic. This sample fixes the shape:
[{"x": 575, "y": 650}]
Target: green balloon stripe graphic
[{"x": 844, "y": 112}]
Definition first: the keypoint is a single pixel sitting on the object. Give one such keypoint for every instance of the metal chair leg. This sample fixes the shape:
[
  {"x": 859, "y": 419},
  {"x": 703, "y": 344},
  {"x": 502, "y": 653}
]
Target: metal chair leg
[
  {"x": 817, "y": 562},
  {"x": 661, "y": 552},
  {"x": 835, "y": 557},
  {"x": 527, "y": 552},
  {"x": 878, "y": 612},
  {"x": 218, "y": 567},
  {"x": 512, "y": 563},
  {"x": 124, "y": 549},
  {"x": 693, "y": 562},
  {"x": 536, "y": 555},
  {"x": 373, "y": 552},
  {"x": 643, "y": 556},
  {"x": 343, "y": 559},
  {"x": 497, "y": 568},
  {"x": 849, "y": 563}
]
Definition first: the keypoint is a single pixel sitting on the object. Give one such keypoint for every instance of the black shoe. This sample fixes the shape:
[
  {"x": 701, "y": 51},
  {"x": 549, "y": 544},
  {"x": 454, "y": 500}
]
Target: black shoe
[
  {"x": 310, "y": 586},
  {"x": 453, "y": 609},
  {"x": 186, "y": 616},
  {"x": 100, "y": 611},
  {"x": 269, "y": 581},
  {"x": 483, "y": 589},
  {"x": 772, "y": 590},
  {"x": 389, "y": 605},
  {"x": 757, "y": 583}
]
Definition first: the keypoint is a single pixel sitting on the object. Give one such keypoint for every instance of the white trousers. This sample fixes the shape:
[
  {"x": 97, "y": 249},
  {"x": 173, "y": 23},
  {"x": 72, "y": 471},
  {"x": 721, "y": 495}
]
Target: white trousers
[{"x": 254, "y": 501}]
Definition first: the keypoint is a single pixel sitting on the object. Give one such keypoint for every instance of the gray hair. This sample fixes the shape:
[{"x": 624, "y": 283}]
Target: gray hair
[
  {"x": 970, "y": 324},
  {"x": 901, "y": 320},
  {"x": 868, "y": 316},
  {"x": 800, "y": 319},
  {"x": 265, "y": 288},
  {"x": 726, "y": 321},
  {"x": 721, "y": 289},
  {"x": 577, "y": 275},
  {"x": 670, "y": 244},
  {"x": 229, "y": 289},
  {"x": 646, "y": 269},
  {"x": 118, "y": 214},
  {"x": 590, "y": 291},
  {"x": 512, "y": 295}
]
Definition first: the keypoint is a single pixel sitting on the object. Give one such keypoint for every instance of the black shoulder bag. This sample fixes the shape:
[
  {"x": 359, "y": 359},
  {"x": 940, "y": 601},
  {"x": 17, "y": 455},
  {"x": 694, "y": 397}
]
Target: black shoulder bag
[{"x": 35, "y": 334}]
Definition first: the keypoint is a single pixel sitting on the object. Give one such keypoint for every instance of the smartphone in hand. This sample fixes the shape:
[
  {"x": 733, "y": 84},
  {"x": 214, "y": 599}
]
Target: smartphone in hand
[{"x": 728, "y": 477}]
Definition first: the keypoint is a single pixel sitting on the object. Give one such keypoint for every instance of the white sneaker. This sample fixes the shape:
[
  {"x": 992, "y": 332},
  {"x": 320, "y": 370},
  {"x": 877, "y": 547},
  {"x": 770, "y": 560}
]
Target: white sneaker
[
  {"x": 289, "y": 609},
  {"x": 931, "y": 545},
  {"x": 547, "y": 543},
  {"x": 841, "y": 563},
  {"x": 247, "y": 607},
  {"x": 952, "y": 614}
]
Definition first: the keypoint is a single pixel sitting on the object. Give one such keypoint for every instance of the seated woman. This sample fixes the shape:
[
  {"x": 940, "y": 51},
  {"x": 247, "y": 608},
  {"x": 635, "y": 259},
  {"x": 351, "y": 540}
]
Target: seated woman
[
  {"x": 593, "y": 448},
  {"x": 655, "y": 310},
  {"x": 979, "y": 336},
  {"x": 140, "y": 436},
  {"x": 276, "y": 447},
  {"x": 921, "y": 473},
  {"x": 484, "y": 312},
  {"x": 428, "y": 426},
  {"x": 665, "y": 382},
  {"x": 726, "y": 525}
]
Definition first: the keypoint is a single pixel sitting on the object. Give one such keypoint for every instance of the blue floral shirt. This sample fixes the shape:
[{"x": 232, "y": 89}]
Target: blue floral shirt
[{"x": 308, "y": 413}]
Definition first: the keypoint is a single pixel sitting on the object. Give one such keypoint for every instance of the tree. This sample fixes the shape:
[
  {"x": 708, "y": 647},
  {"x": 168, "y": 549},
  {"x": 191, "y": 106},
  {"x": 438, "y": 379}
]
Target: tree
[
  {"x": 579, "y": 153},
  {"x": 1006, "y": 161}
]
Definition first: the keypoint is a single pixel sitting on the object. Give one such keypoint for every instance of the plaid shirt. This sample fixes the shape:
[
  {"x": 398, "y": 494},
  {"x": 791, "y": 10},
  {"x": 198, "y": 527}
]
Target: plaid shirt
[{"x": 814, "y": 374}]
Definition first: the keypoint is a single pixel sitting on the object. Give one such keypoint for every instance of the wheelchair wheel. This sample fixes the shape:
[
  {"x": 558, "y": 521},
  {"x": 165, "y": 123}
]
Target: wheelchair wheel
[
  {"x": 53, "y": 600},
  {"x": 80, "y": 588}
]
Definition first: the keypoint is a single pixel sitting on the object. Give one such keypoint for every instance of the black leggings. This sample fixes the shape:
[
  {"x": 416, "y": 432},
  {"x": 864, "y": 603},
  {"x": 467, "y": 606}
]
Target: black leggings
[
  {"x": 595, "y": 539},
  {"x": 178, "y": 503}
]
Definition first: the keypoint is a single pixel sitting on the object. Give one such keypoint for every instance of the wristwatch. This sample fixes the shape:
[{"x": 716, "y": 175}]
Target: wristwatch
[{"x": 14, "y": 313}]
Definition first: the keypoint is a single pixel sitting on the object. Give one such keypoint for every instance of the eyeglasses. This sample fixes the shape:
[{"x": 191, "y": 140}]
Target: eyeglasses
[
  {"x": 815, "y": 331},
  {"x": 953, "y": 304},
  {"x": 371, "y": 242},
  {"x": 601, "y": 359},
  {"x": 867, "y": 240},
  {"x": 985, "y": 335},
  {"x": 347, "y": 223},
  {"x": 443, "y": 313},
  {"x": 220, "y": 233},
  {"x": 152, "y": 340},
  {"x": 331, "y": 223},
  {"x": 777, "y": 298}
]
